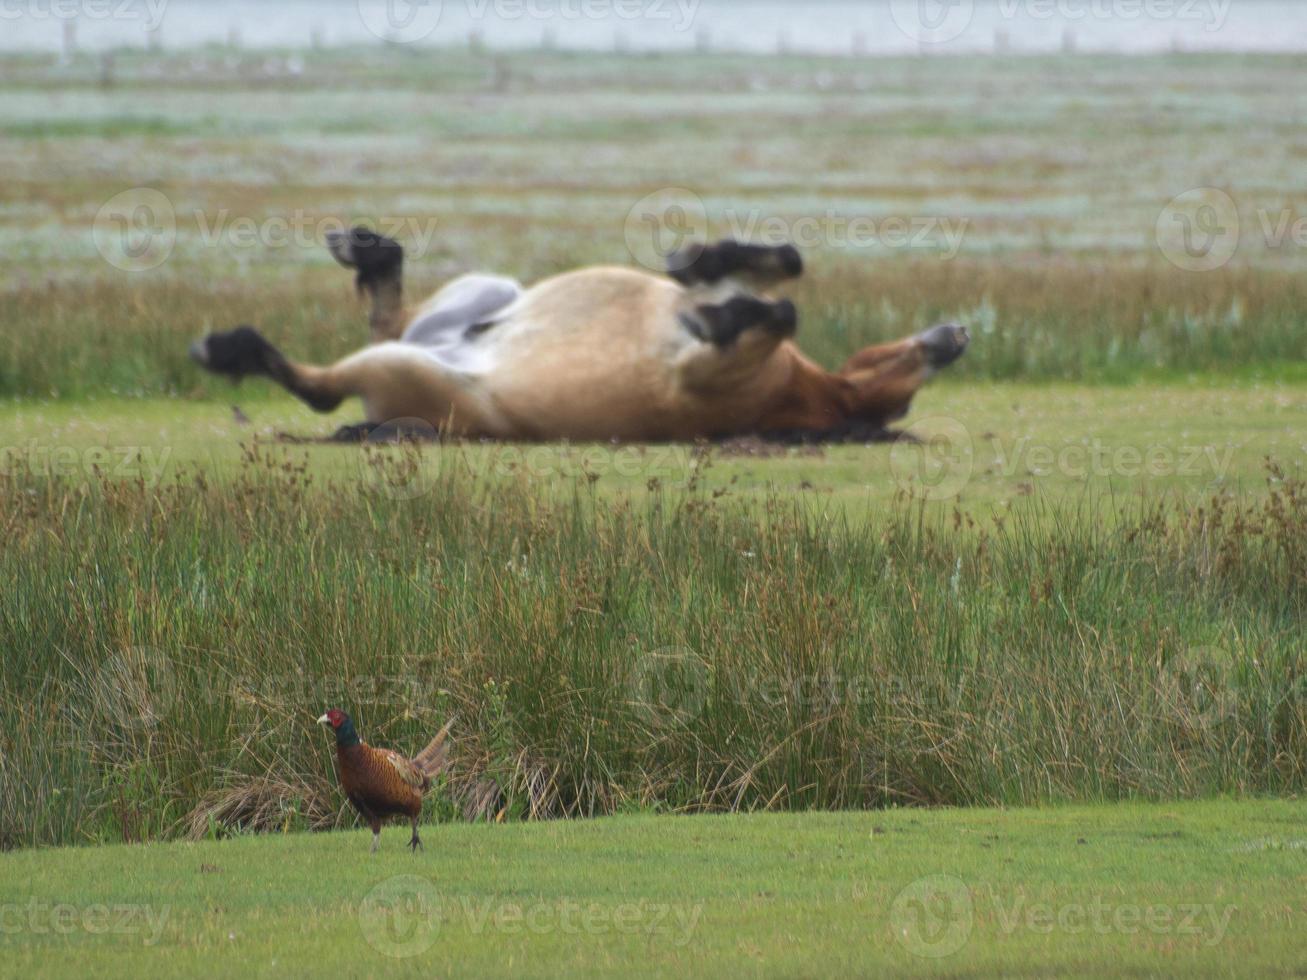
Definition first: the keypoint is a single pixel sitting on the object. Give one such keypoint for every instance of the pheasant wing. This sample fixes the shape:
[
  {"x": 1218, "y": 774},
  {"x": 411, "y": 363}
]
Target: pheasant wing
[{"x": 405, "y": 768}]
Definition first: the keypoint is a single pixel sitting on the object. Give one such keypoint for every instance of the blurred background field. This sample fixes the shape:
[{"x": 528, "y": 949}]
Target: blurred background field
[{"x": 1026, "y": 196}]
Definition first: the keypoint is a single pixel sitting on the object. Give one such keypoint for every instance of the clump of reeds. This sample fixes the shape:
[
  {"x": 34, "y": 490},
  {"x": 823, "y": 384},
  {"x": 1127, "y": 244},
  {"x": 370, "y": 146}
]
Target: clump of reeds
[{"x": 169, "y": 648}]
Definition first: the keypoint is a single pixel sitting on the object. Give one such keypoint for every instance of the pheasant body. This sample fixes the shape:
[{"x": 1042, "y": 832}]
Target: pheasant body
[{"x": 381, "y": 783}]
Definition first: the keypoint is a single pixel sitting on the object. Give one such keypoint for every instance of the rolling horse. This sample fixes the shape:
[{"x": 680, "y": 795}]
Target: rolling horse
[{"x": 602, "y": 353}]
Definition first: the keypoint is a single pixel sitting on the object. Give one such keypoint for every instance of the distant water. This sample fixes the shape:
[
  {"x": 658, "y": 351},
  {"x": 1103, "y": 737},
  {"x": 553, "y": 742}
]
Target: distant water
[{"x": 820, "y": 26}]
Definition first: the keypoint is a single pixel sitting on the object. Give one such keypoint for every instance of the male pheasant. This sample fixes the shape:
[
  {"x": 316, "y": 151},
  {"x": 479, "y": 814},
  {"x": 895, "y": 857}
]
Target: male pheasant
[{"x": 381, "y": 783}]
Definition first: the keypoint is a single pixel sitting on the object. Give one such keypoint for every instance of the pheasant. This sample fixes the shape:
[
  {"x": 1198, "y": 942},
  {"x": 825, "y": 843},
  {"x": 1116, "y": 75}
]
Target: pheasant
[{"x": 382, "y": 783}]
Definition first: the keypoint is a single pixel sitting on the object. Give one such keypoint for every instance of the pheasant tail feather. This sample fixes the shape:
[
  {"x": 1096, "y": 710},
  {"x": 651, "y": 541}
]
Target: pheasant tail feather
[{"x": 435, "y": 757}]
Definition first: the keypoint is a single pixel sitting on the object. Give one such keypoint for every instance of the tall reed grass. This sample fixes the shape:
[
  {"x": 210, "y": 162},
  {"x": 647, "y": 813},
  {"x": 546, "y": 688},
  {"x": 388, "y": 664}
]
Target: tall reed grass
[
  {"x": 1080, "y": 322},
  {"x": 167, "y": 650}
]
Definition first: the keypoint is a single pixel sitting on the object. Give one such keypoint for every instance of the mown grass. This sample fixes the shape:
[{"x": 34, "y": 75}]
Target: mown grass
[
  {"x": 1096, "y": 446},
  {"x": 674, "y": 651},
  {"x": 1210, "y": 889}
]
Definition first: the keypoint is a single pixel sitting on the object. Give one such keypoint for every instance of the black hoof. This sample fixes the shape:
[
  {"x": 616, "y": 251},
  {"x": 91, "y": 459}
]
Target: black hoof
[
  {"x": 762, "y": 264},
  {"x": 722, "y": 325},
  {"x": 374, "y": 256},
  {"x": 944, "y": 344},
  {"x": 235, "y": 353}
]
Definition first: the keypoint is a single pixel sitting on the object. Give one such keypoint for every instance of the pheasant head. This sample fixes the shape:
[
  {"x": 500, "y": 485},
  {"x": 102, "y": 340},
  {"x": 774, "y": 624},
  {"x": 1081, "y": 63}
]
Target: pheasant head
[{"x": 343, "y": 726}]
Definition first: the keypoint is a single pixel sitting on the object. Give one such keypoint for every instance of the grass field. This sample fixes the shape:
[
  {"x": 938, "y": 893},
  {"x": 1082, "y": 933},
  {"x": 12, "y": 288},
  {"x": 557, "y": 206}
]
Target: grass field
[
  {"x": 1213, "y": 889},
  {"x": 1078, "y": 593}
]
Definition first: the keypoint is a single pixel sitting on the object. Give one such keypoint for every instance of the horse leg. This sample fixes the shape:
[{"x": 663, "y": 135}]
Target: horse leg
[
  {"x": 885, "y": 378},
  {"x": 243, "y": 352},
  {"x": 378, "y": 263},
  {"x": 398, "y": 383},
  {"x": 722, "y": 324},
  {"x": 937, "y": 347}
]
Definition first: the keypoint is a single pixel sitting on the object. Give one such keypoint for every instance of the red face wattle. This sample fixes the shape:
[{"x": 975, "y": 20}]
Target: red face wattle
[{"x": 336, "y": 717}]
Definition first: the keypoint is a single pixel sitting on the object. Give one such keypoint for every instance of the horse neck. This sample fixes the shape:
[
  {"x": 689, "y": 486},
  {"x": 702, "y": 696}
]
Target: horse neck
[{"x": 812, "y": 400}]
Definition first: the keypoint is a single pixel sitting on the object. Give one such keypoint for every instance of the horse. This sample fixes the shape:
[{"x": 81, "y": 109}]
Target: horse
[{"x": 602, "y": 353}]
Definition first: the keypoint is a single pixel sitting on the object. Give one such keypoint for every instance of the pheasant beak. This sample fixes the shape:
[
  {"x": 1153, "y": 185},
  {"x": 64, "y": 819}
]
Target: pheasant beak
[{"x": 324, "y": 720}]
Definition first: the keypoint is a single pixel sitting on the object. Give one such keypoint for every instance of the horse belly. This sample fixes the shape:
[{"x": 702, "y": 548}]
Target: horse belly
[{"x": 570, "y": 367}]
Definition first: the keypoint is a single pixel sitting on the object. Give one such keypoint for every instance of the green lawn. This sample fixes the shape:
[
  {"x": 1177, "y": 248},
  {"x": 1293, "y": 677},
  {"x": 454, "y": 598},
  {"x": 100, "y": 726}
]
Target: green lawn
[{"x": 1197, "y": 889}]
